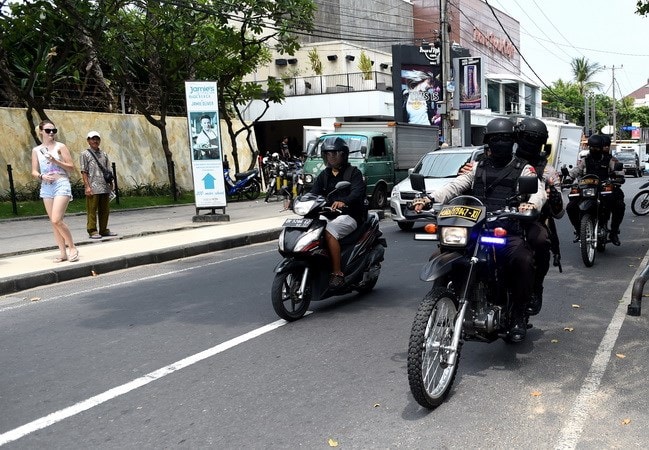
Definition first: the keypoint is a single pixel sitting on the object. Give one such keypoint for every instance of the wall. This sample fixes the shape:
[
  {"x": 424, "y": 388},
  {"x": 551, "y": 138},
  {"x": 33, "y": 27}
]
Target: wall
[{"x": 130, "y": 141}]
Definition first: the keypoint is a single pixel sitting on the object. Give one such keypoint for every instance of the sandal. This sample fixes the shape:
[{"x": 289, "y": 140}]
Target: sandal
[
  {"x": 59, "y": 259},
  {"x": 74, "y": 256},
  {"x": 336, "y": 280}
]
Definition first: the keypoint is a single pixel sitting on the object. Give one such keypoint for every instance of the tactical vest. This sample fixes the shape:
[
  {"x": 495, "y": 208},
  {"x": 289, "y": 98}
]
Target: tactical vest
[
  {"x": 494, "y": 185},
  {"x": 599, "y": 168}
]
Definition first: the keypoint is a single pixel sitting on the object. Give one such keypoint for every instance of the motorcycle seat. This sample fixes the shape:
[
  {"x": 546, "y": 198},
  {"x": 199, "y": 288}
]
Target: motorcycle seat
[{"x": 242, "y": 175}]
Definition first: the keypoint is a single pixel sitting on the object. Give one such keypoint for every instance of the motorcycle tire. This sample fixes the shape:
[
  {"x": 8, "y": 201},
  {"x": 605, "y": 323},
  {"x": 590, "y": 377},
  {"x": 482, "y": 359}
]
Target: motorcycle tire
[
  {"x": 429, "y": 375},
  {"x": 253, "y": 190},
  {"x": 284, "y": 296},
  {"x": 587, "y": 240},
  {"x": 640, "y": 203}
]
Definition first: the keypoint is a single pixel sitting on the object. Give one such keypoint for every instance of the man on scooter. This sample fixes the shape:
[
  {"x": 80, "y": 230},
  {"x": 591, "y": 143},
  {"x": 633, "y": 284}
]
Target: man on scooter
[
  {"x": 335, "y": 156},
  {"x": 493, "y": 180}
]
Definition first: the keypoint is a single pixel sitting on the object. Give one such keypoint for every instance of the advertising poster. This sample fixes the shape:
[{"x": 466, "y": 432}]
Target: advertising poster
[
  {"x": 470, "y": 75},
  {"x": 421, "y": 89},
  {"x": 205, "y": 144}
]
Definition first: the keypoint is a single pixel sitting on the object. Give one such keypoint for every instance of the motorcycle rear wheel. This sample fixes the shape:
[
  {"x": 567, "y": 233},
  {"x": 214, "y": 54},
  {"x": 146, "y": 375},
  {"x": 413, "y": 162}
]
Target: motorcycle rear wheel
[
  {"x": 253, "y": 191},
  {"x": 587, "y": 240},
  {"x": 640, "y": 203},
  {"x": 284, "y": 296},
  {"x": 429, "y": 375}
]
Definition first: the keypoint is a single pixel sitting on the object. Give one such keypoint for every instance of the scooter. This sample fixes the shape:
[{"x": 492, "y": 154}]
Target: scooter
[
  {"x": 303, "y": 275},
  {"x": 244, "y": 183}
]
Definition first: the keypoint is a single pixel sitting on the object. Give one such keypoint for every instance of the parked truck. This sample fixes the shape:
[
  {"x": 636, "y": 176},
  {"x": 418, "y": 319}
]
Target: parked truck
[
  {"x": 383, "y": 151},
  {"x": 565, "y": 139}
]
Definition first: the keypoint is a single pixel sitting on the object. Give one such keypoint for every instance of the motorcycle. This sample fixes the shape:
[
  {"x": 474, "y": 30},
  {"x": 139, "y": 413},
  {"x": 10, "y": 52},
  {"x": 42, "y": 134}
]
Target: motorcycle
[
  {"x": 640, "y": 202},
  {"x": 303, "y": 274},
  {"x": 593, "y": 215},
  {"x": 244, "y": 183},
  {"x": 468, "y": 300},
  {"x": 285, "y": 180}
]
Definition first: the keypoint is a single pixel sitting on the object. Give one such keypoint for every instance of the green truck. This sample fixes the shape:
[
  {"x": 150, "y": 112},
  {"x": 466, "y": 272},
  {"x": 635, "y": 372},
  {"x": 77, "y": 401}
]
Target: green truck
[{"x": 383, "y": 151}]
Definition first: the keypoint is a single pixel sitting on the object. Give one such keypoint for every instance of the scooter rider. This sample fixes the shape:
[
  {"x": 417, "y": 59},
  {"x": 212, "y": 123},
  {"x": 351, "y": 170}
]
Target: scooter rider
[
  {"x": 603, "y": 165},
  {"x": 531, "y": 137},
  {"x": 493, "y": 180},
  {"x": 335, "y": 156}
]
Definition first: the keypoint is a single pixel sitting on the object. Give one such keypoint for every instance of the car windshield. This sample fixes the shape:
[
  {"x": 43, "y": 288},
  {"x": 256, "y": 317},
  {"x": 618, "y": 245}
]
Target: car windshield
[
  {"x": 442, "y": 165},
  {"x": 356, "y": 144},
  {"x": 623, "y": 156}
]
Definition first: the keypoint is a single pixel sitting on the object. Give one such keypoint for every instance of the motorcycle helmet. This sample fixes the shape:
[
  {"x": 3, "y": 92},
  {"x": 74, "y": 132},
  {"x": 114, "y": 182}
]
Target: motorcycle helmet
[
  {"x": 596, "y": 146},
  {"x": 606, "y": 141},
  {"x": 337, "y": 145},
  {"x": 499, "y": 136},
  {"x": 531, "y": 136}
]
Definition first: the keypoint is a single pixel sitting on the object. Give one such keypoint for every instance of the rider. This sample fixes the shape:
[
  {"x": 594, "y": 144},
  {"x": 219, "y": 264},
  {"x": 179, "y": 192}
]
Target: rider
[
  {"x": 493, "y": 180},
  {"x": 338, "y": 169},
  {"x": 603, "y": 165},
  {"x": 531, "y": 137}
]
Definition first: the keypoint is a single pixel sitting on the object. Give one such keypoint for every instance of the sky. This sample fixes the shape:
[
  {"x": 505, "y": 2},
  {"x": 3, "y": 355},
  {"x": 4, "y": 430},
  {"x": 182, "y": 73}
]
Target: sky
[{"x": 608, "y": 32}]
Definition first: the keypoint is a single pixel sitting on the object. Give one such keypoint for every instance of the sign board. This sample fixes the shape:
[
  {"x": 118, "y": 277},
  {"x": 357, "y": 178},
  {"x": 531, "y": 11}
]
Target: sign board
[
  {"x": 470, "y": 75},
  {"x": 205, "y": 144}
]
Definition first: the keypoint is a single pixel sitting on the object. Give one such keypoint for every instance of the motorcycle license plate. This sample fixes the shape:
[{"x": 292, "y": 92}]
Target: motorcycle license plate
[{"x": 297, "y": 223}]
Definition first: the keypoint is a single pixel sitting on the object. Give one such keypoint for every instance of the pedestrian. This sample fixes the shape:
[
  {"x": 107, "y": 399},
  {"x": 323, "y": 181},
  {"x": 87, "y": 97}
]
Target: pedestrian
[
  {"x": 94, "y": 162},
  {"x": 284, "y": 151},
  {"x": 51, "y": 164}
]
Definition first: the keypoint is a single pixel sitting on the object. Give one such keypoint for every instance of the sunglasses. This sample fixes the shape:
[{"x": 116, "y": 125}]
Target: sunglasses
[{"x": 50, "y": 130}]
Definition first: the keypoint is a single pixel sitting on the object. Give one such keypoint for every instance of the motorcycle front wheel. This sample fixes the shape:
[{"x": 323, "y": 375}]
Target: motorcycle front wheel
[
  {"x": 253, "y": 190},
  {"x": 284, "y": 295},
  {"x": 640, "y": 203},
  {"x": 429, "y": 375},
  {"x": 587, "y": 240}
]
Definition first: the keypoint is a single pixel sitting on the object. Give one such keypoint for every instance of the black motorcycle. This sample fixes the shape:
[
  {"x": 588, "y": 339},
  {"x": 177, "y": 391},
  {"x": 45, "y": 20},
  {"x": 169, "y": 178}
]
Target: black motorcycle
[
  {"x": 303, "y": 275},
  {"x": 469, "y": 300}
]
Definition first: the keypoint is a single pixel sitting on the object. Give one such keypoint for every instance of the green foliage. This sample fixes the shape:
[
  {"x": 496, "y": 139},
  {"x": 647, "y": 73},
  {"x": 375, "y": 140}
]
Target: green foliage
[
  {"x": 584, "y": 71},
  {"x": 642, "y": 7},
  {"x": 365, "y": 65},
  {"x": 314, "y": 59}
]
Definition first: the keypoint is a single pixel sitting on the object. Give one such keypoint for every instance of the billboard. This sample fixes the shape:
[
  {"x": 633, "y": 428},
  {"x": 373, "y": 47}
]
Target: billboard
[
  {"x": 470, "y": 75},
  {"x": 205, "y": 144}
]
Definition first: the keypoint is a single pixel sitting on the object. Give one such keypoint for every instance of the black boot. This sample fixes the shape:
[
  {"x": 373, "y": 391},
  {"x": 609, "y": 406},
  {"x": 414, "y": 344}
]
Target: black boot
[
  {"x": 535, "y": 303},
  {"x": 614, "y": 238}
]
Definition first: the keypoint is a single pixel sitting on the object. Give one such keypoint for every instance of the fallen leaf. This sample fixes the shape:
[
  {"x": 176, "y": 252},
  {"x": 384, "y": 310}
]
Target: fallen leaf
[
  {"x": 34, "y": 299},
  {"x": 554, "y": 341},
  {"x": 620, "y": 355},
  {"x": 332, "y": 442},
  {"x": 536, "y": 394},
  {"x": 576, "y": 306},
  {"x": 568, "y": 329},
  {"x": 626, "y": 421}
]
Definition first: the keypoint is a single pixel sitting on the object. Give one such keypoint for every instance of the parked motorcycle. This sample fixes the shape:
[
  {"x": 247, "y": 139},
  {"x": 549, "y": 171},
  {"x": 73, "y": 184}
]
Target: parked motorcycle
[
  {"x": 284, "y": 180},
  {"x": 303, "y": 275},
  {"x": 468, "y": 300},
  {"x": 593, "y": 215},
  {"x": 245, "y": 184},
  {"x": 640, "y": 202}
]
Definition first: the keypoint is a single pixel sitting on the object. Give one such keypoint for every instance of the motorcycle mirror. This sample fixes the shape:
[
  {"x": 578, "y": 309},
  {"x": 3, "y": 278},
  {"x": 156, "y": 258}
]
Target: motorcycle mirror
[
  {"x": 618, "y": 166},
  {"x": 528, "y": 185},
  {"x": 342, "y": 185},
  {"x": 417, "y": 182},
  {"x": 564, "y": 171}
]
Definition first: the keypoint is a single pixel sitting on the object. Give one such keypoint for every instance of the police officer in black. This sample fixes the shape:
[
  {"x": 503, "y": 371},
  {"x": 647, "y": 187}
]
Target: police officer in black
[
  {"x": 494, "y": 180},
  {"x": 602, "y": 164}
]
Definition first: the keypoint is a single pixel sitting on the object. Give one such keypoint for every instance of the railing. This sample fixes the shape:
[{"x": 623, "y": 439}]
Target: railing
[{"x": 331, "y": 84}]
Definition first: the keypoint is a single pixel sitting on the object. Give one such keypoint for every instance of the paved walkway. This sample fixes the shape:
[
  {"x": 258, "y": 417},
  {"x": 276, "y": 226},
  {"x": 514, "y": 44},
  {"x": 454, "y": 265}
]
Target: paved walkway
[{"x": 145, "y": 236}]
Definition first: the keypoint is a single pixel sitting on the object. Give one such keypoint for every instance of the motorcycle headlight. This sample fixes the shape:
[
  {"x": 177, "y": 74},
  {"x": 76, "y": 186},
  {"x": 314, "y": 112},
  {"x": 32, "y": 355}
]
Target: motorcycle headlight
[
  {"x": 454, "y": 236},
  {"x": 308, "y": 178},
  {"x": 302, "y": 208},
  {"x": 307, "y": 239},
  {"x": 589, "y": 192}
]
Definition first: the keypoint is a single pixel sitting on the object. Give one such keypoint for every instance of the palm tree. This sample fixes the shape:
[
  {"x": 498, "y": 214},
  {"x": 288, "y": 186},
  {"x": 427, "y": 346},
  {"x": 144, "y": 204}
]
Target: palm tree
[{"x": 584, "y": 71}]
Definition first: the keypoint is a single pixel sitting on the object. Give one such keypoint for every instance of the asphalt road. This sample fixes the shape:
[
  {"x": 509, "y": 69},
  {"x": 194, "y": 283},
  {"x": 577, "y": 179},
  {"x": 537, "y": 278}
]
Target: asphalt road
[{"x": 190, "y": 354}]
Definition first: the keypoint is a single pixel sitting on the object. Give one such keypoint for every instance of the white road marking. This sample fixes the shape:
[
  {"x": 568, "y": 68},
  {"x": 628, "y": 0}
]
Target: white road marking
[
  {"x": 84, "y": 405},
  {"x": 571, "y": 432}
]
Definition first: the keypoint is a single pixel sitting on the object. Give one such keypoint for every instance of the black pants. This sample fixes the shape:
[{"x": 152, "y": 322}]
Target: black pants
[
  {"x": 538, "y": 238},
  {"x": 614, "y": 203},
  {"x": 518, "y": 261}
]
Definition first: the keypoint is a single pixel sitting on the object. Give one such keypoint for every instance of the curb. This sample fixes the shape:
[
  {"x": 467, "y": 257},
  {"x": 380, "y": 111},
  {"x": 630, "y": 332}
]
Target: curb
[{"x": 81, "y": 270}]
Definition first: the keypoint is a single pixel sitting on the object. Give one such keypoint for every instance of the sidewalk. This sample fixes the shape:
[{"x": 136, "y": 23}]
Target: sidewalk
[{"x": 145, "y": 236}]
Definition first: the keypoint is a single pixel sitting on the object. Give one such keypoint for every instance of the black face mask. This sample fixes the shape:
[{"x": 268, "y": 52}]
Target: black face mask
[
  {"x": 596, "y": 153},
  {"x": 501, "y": 151}
]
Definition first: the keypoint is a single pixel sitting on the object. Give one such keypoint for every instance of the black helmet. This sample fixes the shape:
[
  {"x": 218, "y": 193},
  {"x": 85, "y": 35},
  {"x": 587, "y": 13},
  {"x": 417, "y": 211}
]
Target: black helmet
[
  {"x": 606, "y": 140},
  {"x": 499, "y": 126},
  {"x": 499, "y": 136},
  {"x": 334, "y": 145},
  {"x": 596, "y": 141},
  {"x": 531, "y": 136}
]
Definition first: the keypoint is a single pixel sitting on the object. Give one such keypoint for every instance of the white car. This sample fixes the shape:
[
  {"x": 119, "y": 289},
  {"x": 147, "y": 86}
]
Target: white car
[{"x": 439, "y": 167}]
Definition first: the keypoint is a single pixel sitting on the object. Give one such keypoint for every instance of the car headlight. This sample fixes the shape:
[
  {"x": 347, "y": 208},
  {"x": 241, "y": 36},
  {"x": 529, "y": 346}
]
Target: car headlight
[
  {"x": 453, "y": 236},
  {"x": 395, "y": 192},
  {"x": 308, "y": 178}
]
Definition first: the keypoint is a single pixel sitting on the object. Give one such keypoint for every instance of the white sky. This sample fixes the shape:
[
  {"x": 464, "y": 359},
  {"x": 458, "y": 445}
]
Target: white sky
[{"x": 604, "y": 31}]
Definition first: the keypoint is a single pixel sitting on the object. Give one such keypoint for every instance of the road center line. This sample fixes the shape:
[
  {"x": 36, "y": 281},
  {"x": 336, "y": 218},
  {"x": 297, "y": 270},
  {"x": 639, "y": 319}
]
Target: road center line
[
  {"x": 110, "y": 394},
  {"x": 571, "y": 432}
]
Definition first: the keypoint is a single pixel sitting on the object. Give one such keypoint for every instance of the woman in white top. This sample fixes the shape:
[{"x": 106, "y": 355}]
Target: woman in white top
[{"x": 51, "y": 163}]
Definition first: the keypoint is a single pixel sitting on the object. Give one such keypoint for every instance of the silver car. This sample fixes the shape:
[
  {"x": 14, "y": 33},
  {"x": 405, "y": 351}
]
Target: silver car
[{"x": 439, "y": 167}]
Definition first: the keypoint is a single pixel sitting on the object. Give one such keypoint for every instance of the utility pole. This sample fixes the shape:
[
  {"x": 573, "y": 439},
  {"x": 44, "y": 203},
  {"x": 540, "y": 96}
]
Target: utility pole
[
  {"x": 446, "y": 72},
  {"x": 614, "y": 104}
]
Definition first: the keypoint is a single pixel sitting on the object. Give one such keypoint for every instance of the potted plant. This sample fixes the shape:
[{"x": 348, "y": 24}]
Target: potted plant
[
  {"x": 365, "y": 65},
  {"x": 293, "y": 84},
  {"x": 316, "y": 66}
]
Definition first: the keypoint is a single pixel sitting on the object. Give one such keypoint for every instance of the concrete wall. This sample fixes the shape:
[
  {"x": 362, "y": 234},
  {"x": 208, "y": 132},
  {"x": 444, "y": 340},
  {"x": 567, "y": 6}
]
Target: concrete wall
[{"x": 131, "y": 142}]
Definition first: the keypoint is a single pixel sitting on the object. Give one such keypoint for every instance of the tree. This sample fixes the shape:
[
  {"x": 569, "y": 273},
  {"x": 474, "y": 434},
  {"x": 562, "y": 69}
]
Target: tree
[
  {"x": 642, "y": 7},
  {"x": 583, "y": 72}
]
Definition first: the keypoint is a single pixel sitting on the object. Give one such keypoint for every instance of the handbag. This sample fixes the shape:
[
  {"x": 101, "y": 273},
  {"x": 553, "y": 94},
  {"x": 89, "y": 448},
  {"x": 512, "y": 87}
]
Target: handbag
[{"x": 108, "y": 175}]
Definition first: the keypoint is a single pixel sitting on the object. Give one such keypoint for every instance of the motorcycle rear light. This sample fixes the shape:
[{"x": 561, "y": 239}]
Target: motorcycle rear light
[
  {"x": 431, "y": 228},
  {"x": 574, "y": 191},
  {"x": 500, "y": 232}
]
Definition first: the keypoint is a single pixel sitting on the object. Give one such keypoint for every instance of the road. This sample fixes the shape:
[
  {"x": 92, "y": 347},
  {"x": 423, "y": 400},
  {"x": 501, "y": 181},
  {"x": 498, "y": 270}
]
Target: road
[{"x": 190, "y": 354}]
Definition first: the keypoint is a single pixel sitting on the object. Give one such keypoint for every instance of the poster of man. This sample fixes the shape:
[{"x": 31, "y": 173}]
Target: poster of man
[
  {"x": 421, "y": 89},
  {"x": 206, "y": 139}
]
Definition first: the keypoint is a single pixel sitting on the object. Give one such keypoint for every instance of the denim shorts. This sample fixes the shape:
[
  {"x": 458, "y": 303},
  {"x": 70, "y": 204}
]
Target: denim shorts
[
  {"x": 58, "y": 187},
  {"x": 340, "y": 226}
]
